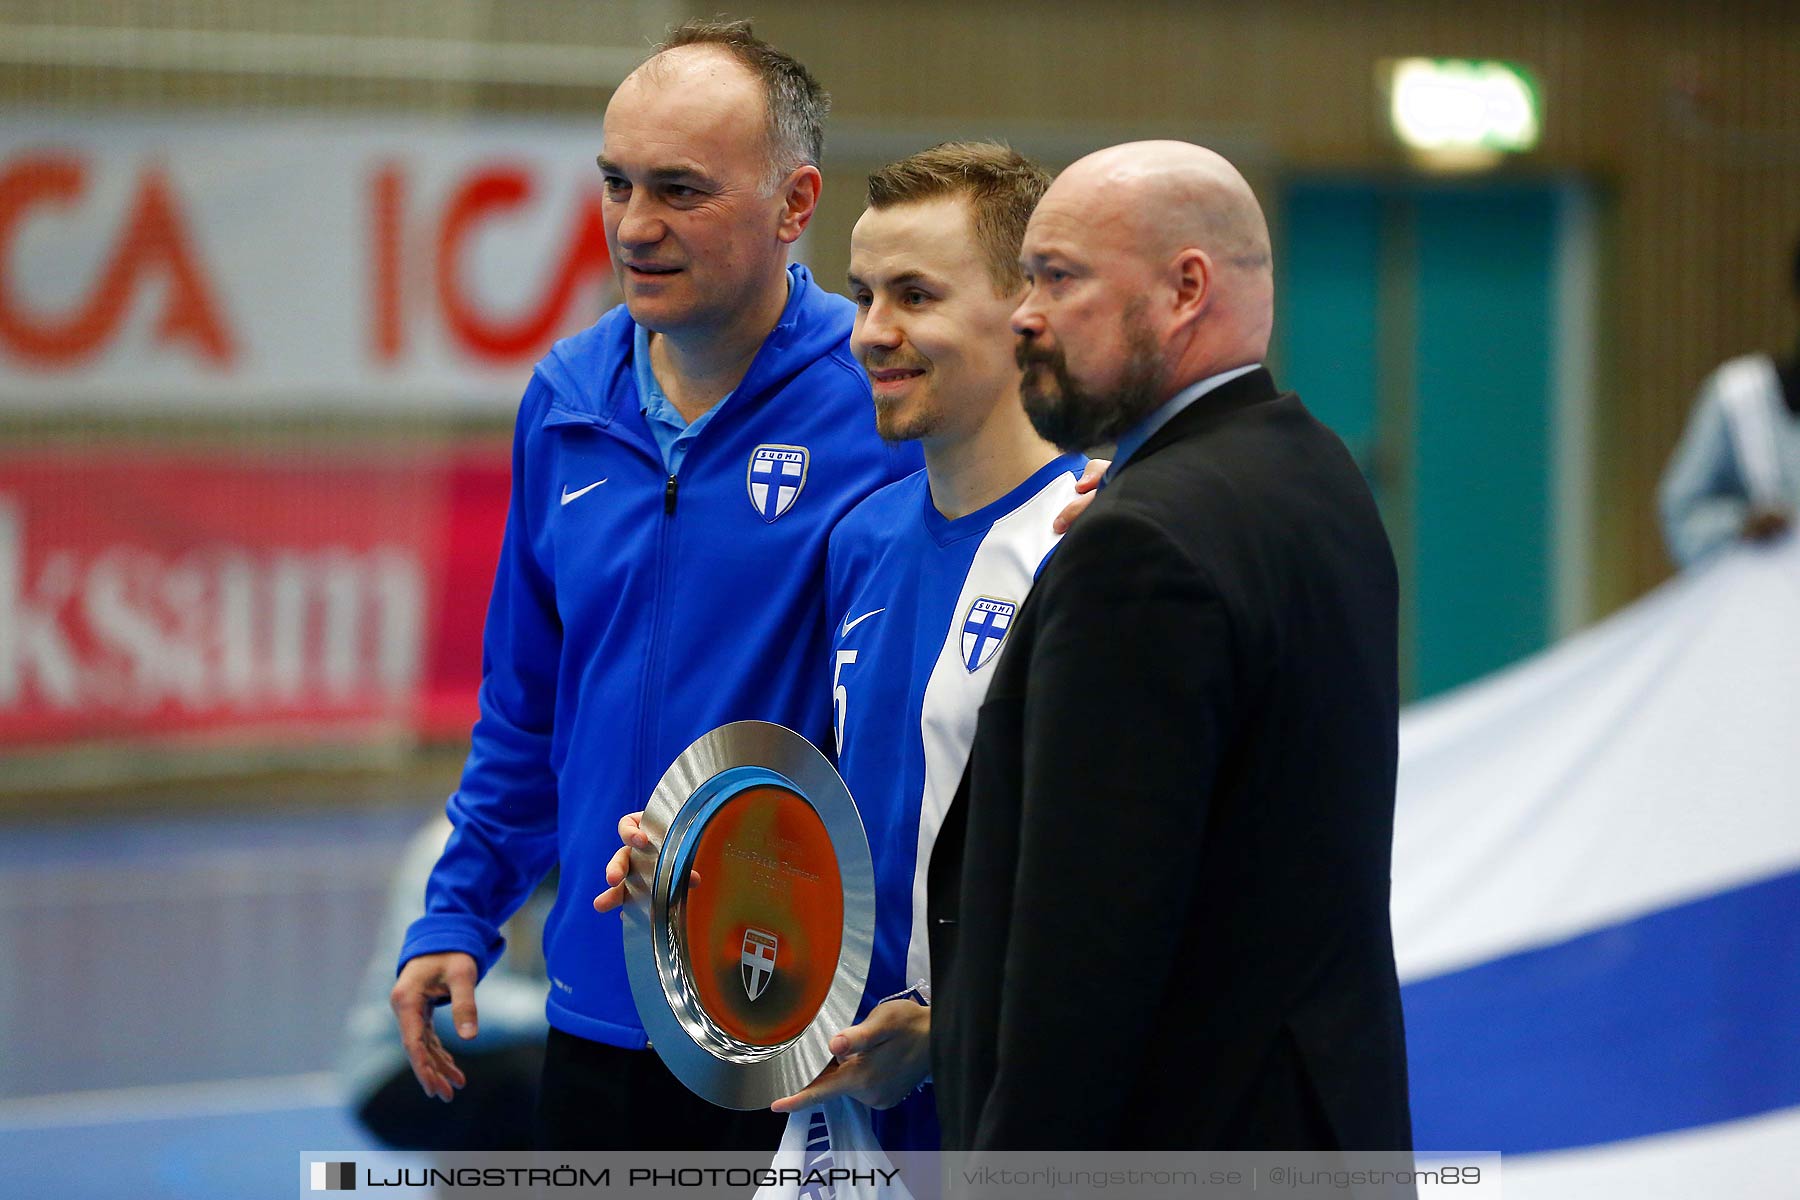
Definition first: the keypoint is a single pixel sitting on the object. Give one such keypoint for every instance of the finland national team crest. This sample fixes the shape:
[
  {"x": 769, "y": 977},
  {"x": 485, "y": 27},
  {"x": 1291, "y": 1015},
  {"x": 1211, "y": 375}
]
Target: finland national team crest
[
  {"x": 777, "y": 473},
  {"x": 758, "y": 961},
  {"x": 984, "y": 628}
]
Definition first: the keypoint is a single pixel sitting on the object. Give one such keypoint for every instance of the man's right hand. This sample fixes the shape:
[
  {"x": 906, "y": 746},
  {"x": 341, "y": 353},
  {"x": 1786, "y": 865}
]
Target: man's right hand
[
  {"x": 424, "y": 980},
  {"x": 633, "y": 837},
  {"x": 1085, "y": 487}
]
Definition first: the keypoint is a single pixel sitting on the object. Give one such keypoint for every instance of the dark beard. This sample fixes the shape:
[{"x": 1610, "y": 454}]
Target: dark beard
[{"x": 1069, "y": 416}]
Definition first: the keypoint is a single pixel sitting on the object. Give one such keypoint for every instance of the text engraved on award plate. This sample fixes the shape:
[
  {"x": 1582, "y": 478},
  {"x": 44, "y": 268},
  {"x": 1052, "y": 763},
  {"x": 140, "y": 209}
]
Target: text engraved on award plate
[{"x": 767, "y": 870}]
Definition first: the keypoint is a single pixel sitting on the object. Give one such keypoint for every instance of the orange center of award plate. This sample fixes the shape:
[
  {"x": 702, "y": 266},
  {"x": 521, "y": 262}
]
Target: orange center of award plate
[{"x": 761, "y": 933}]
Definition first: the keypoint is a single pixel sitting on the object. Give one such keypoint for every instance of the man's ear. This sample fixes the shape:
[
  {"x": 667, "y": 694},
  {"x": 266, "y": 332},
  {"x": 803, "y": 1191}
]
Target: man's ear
[
  {"x": 1191, "y": 276},
  {"x": 800, "y": 199}
]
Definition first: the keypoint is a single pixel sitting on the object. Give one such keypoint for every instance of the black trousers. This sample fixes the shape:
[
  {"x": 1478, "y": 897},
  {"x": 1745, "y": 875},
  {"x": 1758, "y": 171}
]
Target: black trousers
[
  {"x": 493, "y": 1112},
  {"x": 599, "y": 1097}
]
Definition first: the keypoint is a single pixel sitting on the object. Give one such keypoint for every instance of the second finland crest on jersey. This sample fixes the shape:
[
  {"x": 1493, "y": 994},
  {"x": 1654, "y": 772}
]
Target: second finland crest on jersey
[
  {"x": 776, "y": 475},
  {"x": 984, "y": 628}
]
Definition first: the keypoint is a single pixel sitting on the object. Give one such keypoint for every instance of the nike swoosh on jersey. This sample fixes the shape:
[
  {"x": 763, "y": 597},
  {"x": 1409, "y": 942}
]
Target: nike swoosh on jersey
[
  {"x": 849, "y": 624},
  {"x": 579, "y": 493}
]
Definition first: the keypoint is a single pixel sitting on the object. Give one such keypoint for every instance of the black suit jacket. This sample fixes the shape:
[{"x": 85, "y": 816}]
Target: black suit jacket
[{"x": 1159, "y": 903}]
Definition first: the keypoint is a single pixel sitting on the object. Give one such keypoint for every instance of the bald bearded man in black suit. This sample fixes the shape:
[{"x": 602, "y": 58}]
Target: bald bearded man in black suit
[{"x": 1160, "y": 901}]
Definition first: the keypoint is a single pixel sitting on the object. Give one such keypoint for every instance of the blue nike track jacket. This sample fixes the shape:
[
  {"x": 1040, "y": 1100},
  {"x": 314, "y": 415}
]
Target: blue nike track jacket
[{"x": 634, "y": 611}]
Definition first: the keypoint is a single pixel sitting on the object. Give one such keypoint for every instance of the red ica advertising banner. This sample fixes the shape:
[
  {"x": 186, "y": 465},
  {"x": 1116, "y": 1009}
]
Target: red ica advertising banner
[
  {"x": 185, "y": 598},
  {"x": 247, "y": 264},
  {"x": 207, "y": 263}
]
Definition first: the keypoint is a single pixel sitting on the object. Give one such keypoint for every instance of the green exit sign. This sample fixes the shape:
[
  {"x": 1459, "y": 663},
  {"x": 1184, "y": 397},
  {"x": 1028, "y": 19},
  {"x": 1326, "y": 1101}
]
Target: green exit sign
[{"x": 1459, "y": 105}]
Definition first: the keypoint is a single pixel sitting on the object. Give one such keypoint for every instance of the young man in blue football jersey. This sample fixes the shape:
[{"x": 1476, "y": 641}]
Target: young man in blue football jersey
[{"x": 924, "y": 576}]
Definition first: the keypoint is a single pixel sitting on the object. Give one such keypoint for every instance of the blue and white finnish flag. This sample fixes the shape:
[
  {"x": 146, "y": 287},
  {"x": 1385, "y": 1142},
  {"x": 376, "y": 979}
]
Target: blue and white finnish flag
[
  {"x": 1597, "y": 900},
  {"x": 775, "y": 478},
  {"x": 984, "y": 628}
]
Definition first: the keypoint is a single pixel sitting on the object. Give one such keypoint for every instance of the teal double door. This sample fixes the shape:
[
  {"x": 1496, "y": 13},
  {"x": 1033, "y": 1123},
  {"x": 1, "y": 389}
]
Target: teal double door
[{"x": 1445, "y": 333}]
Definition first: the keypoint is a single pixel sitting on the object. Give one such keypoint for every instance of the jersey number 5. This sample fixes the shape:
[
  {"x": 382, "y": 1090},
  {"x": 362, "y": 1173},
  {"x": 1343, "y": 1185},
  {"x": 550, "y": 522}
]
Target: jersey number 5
[{"x": 840, "y": 694}]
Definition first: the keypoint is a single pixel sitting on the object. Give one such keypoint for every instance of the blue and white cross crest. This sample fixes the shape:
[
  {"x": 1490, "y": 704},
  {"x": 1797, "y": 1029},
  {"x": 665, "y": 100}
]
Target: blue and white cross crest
[
  {"x": 983, "y": 629},
  {"x": 758, "y": 961},
  {"x": 777, "y": 473}
]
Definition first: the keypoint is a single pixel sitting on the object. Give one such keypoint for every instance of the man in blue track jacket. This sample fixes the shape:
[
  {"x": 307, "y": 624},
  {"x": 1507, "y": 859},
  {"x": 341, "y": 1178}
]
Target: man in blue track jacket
[{"x": 676, "y": 471}]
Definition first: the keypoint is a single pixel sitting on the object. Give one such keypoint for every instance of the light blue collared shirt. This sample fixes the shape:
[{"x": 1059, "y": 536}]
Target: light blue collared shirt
[
  {"x": 1133, "y": 439},
  {"x": 673, "y": 433}
]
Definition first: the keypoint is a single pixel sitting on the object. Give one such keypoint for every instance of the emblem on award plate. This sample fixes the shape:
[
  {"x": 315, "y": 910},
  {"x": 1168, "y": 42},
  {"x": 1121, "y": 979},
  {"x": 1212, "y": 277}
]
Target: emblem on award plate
[{"x": 759, "y": 960}]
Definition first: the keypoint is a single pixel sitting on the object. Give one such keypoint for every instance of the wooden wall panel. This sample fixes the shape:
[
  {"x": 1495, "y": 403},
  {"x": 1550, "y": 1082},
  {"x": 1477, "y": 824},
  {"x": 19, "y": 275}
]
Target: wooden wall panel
[{"x": 1701, "y": 199}]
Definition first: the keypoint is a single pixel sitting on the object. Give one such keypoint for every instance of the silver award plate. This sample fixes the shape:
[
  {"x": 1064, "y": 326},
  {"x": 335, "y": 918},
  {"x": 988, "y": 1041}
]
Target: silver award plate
[{"x": 742, "y": 981}]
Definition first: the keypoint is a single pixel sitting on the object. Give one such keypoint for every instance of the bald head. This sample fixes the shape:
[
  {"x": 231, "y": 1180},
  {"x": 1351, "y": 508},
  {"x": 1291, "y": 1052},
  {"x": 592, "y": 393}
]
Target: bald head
[
  {"x": 1148, "y": 269},
  {"x": 1171, "y": 195},
  {"x": 1190, "y": 241}
]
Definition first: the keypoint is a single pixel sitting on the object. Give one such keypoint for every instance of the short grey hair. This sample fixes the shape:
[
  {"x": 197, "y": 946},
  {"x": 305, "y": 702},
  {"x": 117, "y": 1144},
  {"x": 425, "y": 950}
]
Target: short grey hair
[{"x": 796, "y": 105}]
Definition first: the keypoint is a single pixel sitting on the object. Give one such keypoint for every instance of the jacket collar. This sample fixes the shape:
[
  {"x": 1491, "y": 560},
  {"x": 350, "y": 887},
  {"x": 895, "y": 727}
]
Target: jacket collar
[
  {"x": 1247, "y": 390},
  {"x": 811, "y": 324}
]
